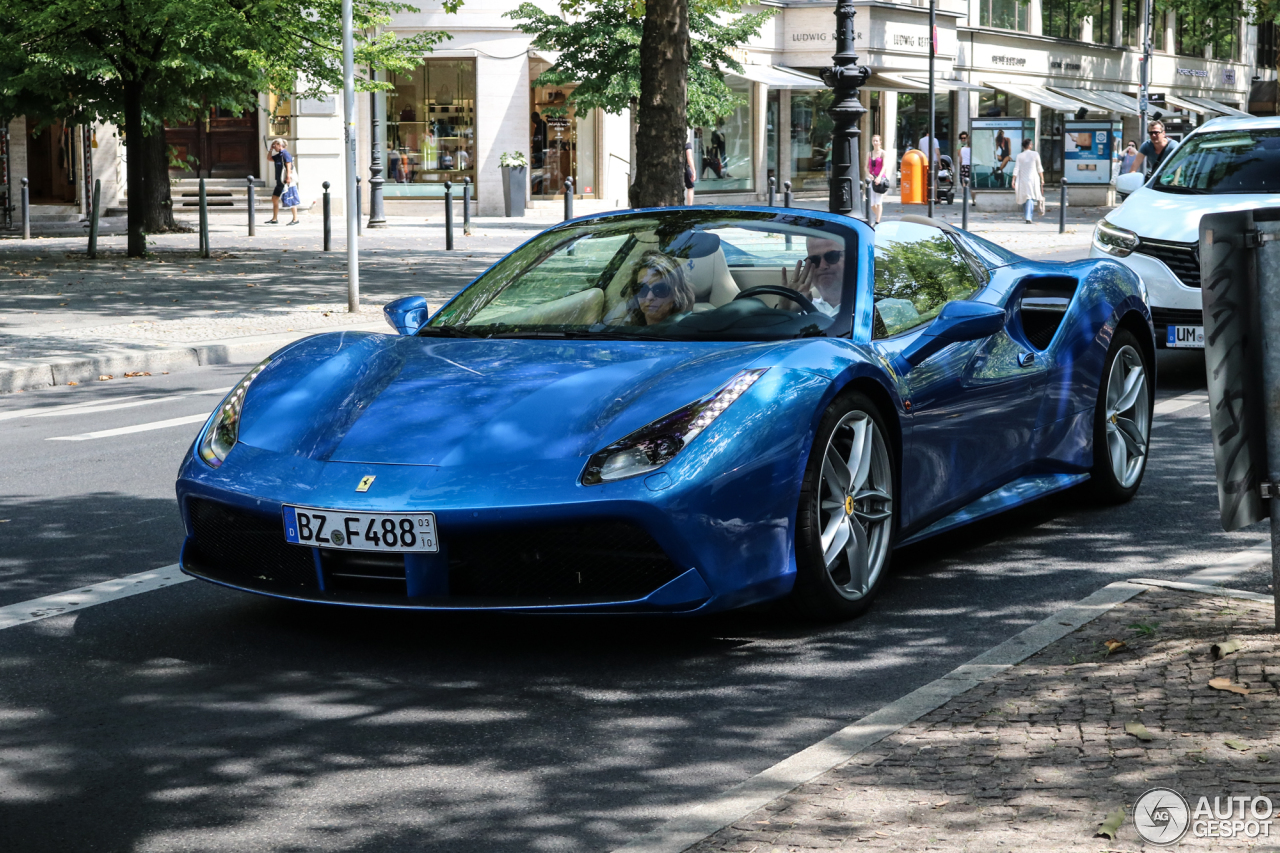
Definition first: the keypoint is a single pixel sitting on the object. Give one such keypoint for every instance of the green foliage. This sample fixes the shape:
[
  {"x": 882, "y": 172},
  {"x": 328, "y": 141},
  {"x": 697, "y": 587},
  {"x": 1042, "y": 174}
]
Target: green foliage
[
  {"x": 914, "y": 279},
  {"x": 599, "y": 46},
  {"x": 515, "y": 160}
]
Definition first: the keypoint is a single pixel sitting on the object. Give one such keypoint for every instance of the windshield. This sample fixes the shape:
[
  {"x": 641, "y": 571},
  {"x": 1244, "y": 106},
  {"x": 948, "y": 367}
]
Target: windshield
[
  {"x": 1228, "y": 161},
  {"x": 678, "y": 275}
]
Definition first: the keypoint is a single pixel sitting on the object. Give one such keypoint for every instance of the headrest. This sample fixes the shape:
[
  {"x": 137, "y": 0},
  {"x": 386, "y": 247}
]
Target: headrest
[
  {"x": 701, "y": 272},
  {"x": 694, "y": 245}
]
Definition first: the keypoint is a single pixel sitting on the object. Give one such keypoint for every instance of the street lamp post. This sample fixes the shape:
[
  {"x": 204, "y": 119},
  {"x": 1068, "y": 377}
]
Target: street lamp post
[
  {"x": 845, "y": 76},
  {"x": 377, "y": 210}
]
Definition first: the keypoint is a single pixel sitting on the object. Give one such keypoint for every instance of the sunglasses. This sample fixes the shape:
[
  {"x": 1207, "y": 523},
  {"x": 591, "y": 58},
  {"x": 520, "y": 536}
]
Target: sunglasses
[
  {"x": 1154, "y": 132},
  {"x": 661, "y": 290},
  {"x": 832, "y": 258}
]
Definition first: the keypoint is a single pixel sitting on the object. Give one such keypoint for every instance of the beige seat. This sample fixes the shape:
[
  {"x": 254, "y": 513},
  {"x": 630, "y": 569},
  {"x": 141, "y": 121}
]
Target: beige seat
[
  {"x": 712, "y": 284},
  {"x": 577, "y": 309}
]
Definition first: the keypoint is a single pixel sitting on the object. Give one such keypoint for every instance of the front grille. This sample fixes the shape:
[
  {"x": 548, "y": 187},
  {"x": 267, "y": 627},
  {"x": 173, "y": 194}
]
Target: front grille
[
  {"x": 1182, "y": 258},
  {"x": 1177, "y": 317},
  {"x": 247, "y": 549},
  {"x": 363, "y": 571},
  {"x": 613, "y": 560}
]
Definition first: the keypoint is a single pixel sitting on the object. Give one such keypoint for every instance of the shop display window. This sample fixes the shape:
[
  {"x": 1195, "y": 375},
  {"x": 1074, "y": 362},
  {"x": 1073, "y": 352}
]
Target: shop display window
[
  {"x": 913, "y": 121},
  {"x": 1004, "y": 14},
  {"x": 1066, "y": 19},
  {"x": 811, "y": 128},
  {"x": 722, "y": 154},
  {"x": 561, "y": 143},
  {"x": 431, "y": 128}
]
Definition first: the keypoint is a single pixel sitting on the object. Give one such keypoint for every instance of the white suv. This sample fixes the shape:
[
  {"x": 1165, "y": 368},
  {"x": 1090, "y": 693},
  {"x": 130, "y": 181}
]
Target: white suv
[{"x": 1225, "y": 164}]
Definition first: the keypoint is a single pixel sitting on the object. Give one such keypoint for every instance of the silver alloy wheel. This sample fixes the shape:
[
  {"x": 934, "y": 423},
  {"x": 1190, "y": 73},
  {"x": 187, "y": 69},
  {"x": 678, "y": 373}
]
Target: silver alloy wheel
[
  {"x": 1128, "y": 416},
  {"x": 855, "y": 505}
]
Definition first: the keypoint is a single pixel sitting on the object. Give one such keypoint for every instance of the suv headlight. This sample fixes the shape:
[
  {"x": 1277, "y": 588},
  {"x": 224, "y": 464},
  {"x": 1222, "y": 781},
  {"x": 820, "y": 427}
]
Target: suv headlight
[
  {"x": 653, "y": 446},
  {"x": 224, "y": 425},
  {"x": 1114, "y": 241}
]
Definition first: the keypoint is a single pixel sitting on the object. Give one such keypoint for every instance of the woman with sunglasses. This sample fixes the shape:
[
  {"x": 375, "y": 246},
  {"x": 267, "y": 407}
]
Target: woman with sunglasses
[{"x": 658, "y": 291}]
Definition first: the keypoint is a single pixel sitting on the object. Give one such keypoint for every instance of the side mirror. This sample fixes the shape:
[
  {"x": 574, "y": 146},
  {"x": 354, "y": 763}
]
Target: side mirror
[
  {"x": 1130, "y": 183},
  {"x": 406, "y": 314},
  {"x": 959, "y": 321}
]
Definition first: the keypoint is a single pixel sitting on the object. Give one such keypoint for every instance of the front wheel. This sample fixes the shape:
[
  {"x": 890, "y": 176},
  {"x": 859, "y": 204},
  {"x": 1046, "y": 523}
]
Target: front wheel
[
  {"x": 1122, "y": 421},
  {"x": 845, "y": 522}
]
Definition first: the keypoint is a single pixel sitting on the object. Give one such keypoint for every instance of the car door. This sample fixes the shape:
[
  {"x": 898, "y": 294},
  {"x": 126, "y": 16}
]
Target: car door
[{"x": 972, "y": 405}]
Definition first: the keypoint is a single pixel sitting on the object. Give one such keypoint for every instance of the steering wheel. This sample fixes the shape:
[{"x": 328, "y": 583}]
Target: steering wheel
[{"x": 778, "y": 290}]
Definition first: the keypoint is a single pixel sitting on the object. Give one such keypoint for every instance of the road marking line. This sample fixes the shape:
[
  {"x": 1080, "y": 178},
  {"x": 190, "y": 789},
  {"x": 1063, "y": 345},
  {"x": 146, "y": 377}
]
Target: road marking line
[
  {"x": 104, "y": 406},
  {"x": 108, "y": 433},
  {"x": 734, "y": 804},
  {"x": 1183, "y": 401},
  {"x": 99, "y": 593}
]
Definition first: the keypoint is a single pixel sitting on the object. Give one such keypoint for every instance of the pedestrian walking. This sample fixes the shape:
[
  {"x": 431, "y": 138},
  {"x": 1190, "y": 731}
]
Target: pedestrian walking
[
  {"x": 1130, "y": 154},
  {"x": 966, "y": 160},
  {"x": 878, "y": 174},
  {"x": 690, "y": 176},
  {"x": 1028, "y": 179},
  {"x": 286, "y": 191},
  {"x": 1154, "y": 151}
]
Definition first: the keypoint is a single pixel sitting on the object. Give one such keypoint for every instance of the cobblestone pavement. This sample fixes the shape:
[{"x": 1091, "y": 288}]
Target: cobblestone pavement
[{"x": 1036, "y": 758}]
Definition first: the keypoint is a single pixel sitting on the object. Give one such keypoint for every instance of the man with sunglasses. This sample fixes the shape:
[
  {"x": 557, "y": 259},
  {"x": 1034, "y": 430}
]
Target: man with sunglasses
[
  {"x": 1155, "y": 149},
  {"x": 820, "y": 276}
]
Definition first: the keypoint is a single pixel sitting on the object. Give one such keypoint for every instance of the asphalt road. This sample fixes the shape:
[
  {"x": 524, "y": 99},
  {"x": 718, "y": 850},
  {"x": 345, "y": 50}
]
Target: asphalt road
[{"x": 194, "y": 718}]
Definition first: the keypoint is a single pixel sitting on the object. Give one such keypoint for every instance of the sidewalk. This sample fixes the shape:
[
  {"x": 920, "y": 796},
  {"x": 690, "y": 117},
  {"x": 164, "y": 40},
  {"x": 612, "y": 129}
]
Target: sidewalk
[
  {"x": 1038, "y": 757},
  {"x": 65, "y": 318}
]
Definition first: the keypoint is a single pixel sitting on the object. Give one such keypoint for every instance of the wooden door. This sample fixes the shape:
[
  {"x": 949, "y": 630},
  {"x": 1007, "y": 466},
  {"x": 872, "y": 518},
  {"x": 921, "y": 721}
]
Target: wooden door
[{"x": 224, "y": 144}]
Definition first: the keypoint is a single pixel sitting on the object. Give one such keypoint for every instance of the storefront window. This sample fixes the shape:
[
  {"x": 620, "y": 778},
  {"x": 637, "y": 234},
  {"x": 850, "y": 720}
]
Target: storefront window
[
  {"x": 1195, "y": 34},
  {"x": 722, "y": 155},
  {"x": 1226, "y": 40},
  {"x": 773, "y": 112},
  {"x": 1066, "y": 19},
  {"x": 913, "y": 121},
  {"x": 431, "y": 128},
  {"x": 810, "y": 139},
  {"x": 998, "y": 104},
  {"x": 280, "y": 116},
  {"x": 1004, "y": 14}
]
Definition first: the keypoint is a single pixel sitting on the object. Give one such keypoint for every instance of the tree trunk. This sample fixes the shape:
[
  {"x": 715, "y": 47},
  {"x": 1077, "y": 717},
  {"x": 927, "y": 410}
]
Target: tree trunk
[
  {"x": 631, "y": 154},
  {"x": 137, "y": 243},
  {"x": 157, "y": 200},
  {"x": 662, "y": 120},
  {"x": 150, "y": 202}
]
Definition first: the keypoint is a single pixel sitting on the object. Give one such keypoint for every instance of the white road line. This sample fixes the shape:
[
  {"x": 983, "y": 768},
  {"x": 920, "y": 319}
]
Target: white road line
[
  {"x": 108, "y": 433},
  {"x": 100, "y": 593},
  {"x": 1184, "y": 401},
  {"x": 104, "y": 406}
]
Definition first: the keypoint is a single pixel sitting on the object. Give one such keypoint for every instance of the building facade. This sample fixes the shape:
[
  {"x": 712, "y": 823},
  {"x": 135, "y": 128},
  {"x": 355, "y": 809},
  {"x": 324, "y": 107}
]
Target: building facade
[{"x": 1004, "y": 69}]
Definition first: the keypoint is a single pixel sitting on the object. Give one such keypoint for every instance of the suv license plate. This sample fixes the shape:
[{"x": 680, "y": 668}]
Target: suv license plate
[
  {"x": 361, "y": 531},
  {"x": 1185, "y": 336}
]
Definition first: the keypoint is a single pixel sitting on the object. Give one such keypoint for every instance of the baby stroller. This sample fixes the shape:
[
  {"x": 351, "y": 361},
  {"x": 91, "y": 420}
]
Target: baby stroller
[{"x": 946, "y": 180}]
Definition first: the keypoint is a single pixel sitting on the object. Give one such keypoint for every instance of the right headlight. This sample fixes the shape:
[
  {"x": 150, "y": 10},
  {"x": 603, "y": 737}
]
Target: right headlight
[
  {"x": 653, "y": 446},
  {"x": 223, "y": 430},
  {"x": 1114, "y": 241}
]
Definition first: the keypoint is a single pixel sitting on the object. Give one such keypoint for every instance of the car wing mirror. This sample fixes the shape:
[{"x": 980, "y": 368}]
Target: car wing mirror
[
  {"x": 1130, "y": 182},
  {"x": 406, "y": 314},
  {"x": 958, "y": 321}
]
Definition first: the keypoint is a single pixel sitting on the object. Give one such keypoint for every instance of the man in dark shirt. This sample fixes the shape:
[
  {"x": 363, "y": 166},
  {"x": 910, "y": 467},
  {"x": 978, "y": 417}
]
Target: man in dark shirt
[{"x": 1154, "y": 151}]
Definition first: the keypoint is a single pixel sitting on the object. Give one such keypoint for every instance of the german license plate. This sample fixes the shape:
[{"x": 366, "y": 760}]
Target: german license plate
[
  {"x": 1185, "y": 336},
  {"x": 361, "y": 531}
]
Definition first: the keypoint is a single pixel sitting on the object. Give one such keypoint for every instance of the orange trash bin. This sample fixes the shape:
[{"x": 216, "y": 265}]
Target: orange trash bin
[{"x": 915, "y": 177}]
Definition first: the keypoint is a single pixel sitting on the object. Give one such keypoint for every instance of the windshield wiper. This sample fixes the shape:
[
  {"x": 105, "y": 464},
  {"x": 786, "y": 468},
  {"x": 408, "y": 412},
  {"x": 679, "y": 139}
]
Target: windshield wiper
[
  {"x": 448, "y": 332},
  {"x": 581, "y": 336},
  {"x": 1173, "y": 188}
]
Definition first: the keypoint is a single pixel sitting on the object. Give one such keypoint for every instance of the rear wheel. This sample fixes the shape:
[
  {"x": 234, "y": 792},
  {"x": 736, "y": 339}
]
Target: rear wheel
[
  {"x": 1122, "y": 421},
  {"x": 845, "y": 523}
]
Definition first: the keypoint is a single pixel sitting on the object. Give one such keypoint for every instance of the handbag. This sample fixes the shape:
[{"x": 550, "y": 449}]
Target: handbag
[{"x": 880, "y": 187}]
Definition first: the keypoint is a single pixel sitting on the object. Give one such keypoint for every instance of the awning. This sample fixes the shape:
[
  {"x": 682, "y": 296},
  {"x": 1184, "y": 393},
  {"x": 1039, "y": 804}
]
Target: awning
[
  {"x": 885, "y": 82},
  {"x": 1036, "y": 95},
  {"x": 1183, "y": 104},
  {"x": 777, "y": 77},
  {"x": 944, "y": 85},
  {"x": 1107, "y": 102},
  {"x": 1211, "y": 104}
]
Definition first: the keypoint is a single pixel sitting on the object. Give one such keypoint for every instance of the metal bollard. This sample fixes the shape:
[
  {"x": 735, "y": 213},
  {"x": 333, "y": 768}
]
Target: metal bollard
[
  {"x": 867, "y": 198},
  {"x": 787, "y": 195},
  {"x": 326, "y": 213},
  {"x": 204, "y": 221},
  {"x": 466, "y": 207},
  {"x": 26, "y": 210},
  {"x": 253, "y": 203},
  {"x": 359, "y": 207},
  {"x": 773, "y": 192},
  {"x": 1062, "y": 209},
  {"x": 448, "y": 215},
  {"x": 93, "y": 218},
  {"x": 568, "y": 198},
  {"x": 964, "y": 214}
]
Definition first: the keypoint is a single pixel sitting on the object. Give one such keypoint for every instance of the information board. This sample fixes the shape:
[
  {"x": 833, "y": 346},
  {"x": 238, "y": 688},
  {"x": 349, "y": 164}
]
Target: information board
[
  {"x": 1089, "y": 151},
  {"x": 994, "y": 144}
]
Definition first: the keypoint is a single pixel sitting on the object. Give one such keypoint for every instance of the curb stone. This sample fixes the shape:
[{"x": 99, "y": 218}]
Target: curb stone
[
  {"x": 730, "y": 806},
  {"x": 25, "y": 375}
]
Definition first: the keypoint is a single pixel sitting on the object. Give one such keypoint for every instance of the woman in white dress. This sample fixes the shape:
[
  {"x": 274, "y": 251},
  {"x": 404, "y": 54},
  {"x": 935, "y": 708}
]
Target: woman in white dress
[
  {"x": 877, "y": 170},
  {"x": 1028, "y": 180}
]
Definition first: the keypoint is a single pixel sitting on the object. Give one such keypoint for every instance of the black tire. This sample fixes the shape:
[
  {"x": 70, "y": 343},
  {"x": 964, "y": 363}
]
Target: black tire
[
  {"x": 1130, "y": 426},
  {"x": 818, "y": 592}
]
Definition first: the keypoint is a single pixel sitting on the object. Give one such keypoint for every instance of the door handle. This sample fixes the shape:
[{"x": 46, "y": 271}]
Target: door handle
[{"x": 1026, "y": 359}]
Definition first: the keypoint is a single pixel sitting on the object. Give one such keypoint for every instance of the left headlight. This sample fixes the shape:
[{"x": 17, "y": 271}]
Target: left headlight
[
  {"x": 653, "y": 446},
  {"x": 1113, "y": 240},
  {"x": 224, "y": 426}
]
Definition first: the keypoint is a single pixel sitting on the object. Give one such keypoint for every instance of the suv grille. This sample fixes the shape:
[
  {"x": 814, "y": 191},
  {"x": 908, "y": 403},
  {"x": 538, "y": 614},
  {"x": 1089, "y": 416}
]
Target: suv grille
[
  {"x": 247, "y": 549},
  {"x": 1177, "y": 317},
  {"x": 1182, "y": 258}
]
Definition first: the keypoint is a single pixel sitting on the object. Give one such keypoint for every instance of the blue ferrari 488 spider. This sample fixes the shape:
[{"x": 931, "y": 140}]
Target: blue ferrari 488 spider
[{"x": 674, "y": 411}]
